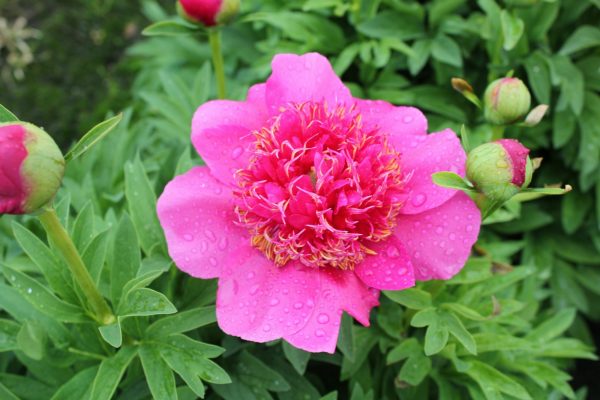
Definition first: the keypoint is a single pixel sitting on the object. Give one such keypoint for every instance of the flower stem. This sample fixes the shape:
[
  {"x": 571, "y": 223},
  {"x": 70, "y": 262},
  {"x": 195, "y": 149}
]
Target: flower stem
[
  {"x": 214, "y": 36},
  {"x": 63, "y": 242},
  {"x": 497, "y": 132}
]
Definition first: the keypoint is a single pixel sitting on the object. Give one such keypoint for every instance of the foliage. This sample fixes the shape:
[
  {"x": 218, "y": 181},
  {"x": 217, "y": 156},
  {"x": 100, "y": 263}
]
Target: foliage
[{"x": 510, "y": 325}]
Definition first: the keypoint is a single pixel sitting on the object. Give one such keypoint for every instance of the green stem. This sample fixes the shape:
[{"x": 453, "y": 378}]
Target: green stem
[
  {"x": 61, "y": 239},
  {"x": 214, "y": 36},
  {"x": 497, "y": 132}
]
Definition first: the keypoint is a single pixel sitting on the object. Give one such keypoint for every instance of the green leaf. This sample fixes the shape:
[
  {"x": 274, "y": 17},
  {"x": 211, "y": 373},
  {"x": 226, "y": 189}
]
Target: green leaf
[
  {"x": 583, "y": 38},
  {"x": 42, "y": 299},
  {"x": 416, "y": 299},
  {"x": 451, "y": 180},
  {"x": 436, "y": 337},
  {"x": 445, "y": 49},
  {"x": 198, "y": 350},
  {"x": 407, "y": 348},
  {"x": 421, "y": 52},
  {"x": 112, "y": 334},
  {"x": 464, "y": 311},
  {"x": 159, "y": 376},
  {"x": 52, "y": 269},
  {"x": 31, "y": 340},
  {"x": 575, "y": 207},
  {"x": 8, "y": 335},
  {"x": 255, "y": 373},
  {"x": 77, "y": 387},
  {"x": 488, "y": 377},
  {"x": 183, "y": 321},
  {"x": 346, "y": 339},
  {"x": 183, "y": 365},
  {"x": 6, "y": 394},
  {"x": 297, "y": 357},
  {"x": 145, "y": 302},
  {"x": 512, "y": 29},
  {"x": 83, "y": 227},
  {"x": 542, "y": 372},
  {"x": 415, "y": 369},
  {"x": 538, "y": 74},
  {"x": 6, "y": 115},
  {"x": 126, "y": 257},
  {"x": 424, "y": 317},
  {"x": 553, "y": 326},
  {"x": 93, "y": 136},
  {"x": 110, "y": 373},
  {"x": 141, "y": 200},
  {"x": 171, "y": 28},
  {"x": 392, "y": 24},
  {"x": 458, "y": 330}
]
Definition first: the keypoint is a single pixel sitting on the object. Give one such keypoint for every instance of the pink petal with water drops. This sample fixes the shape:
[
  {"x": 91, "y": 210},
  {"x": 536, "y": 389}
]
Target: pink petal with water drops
[
  {"x": 439, "y": 240},
  {"x": 222, "y": 133},
  {"x": 389, "y": 269},
  {"x": 423, "y": 156},
  {"x": 391, "y": 119},
  {"x": 298, "y": 79},
  {"x": 259, "y": 301},
  {"x": 338, "y": 291},
  {"x": 196, "y": 214}
]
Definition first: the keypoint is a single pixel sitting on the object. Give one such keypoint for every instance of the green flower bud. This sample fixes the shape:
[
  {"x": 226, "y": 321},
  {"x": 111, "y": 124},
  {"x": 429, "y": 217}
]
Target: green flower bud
[
  {"x": 500, "y": 169},
  {"x": 506, "y": 101}
]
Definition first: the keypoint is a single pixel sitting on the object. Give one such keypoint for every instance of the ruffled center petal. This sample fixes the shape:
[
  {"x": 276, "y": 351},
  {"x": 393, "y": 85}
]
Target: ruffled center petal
[{"x": 320, "y": 188}]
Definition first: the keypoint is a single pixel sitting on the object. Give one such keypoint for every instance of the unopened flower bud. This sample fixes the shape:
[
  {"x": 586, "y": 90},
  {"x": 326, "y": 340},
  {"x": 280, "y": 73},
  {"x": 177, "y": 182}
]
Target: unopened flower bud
[
  {"x": 31, "y": 168},
  {"x": 506, "y": 101},
  {"x": 500, "y": 169},
  {"x": 208, "y": 12}
]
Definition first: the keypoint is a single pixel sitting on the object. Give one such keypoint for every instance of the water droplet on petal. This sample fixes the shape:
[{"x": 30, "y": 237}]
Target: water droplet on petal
[
  {"x": 188, "y": 237},
  {"x": 408, "y": 119},
  {"x": 319, "y": 333},
  {"x": 323, "y": 318},
  {"x": 210, "y": 235},
  {"x": 418, "y": 200},
  {"x": 236, "y": 153},
  {"x": 298, "y": 305},
  {"x": 213, "y": 261},
  {"x": 274, "y": 302},
  {"x": 250, "y": 275},
  {"x": 393, "y": 251},
  {"x": 267, "y": 328}
]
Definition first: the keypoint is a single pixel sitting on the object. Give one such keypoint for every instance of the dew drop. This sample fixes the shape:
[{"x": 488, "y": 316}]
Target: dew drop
[
  {"x": 419, "y": 200},
  {"x": 213, "y": 261},
  {"x": 319, "y": 333},
  {"x": 236, "y": 153},
  {"x": 323, "y": 318},
  {"x": 267, "y": 328},
  {"x": 29, "y": 290},
  {"x": 408, "y": 119},
  {"x": 210, "y": 235},
  {"x": 250, "y": 275},
  {"x": 188, "y": 237},
  {"x": 274, "y": 301},
  {"x": 298, "y": 305},
  {"x": 223, "y": 243},
  {"x": 254, "y": 289},
  {"x": 393, "y": 251}
]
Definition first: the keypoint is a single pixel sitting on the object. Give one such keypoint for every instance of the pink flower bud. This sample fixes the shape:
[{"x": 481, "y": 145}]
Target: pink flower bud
[
  {"x": 208, "y": 12},
  {"x": 500, "y": 169},
  {"x": 31, "y": 168}
]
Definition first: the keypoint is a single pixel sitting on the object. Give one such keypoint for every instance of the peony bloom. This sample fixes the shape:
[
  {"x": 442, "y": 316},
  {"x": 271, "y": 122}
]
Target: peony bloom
[
  {"x": 31, "y": 168},
  {"x": 208, "y": 12},
  {"x": 500, "y": 169},
  {"x": 311, "y": 202}
]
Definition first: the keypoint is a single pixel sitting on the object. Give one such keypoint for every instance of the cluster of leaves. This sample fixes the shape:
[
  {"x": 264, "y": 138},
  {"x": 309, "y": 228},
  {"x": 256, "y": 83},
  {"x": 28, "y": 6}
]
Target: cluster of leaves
[{"x": 510, "y": 325}]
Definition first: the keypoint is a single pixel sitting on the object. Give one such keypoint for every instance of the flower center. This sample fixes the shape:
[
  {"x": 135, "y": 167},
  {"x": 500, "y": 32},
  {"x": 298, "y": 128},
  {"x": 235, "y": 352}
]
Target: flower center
[{"x": 320, "y": 187}]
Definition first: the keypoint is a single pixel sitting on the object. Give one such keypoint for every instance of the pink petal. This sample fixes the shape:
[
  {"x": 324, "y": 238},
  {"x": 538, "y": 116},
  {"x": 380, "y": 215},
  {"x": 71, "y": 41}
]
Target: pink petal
[
  {"x": 222, "y": 132},
  {"x": 439, "y": 240},
  {"x": 339, "y": 291},
  {"x": 197, "y": 215},
  {"x": 421, "y": 157},
  {"x": 392, "y": 120},
  {"x": 389, "y": 269},
  {"x": 259, "y": 301},
  {"x": 298, "y": 79}
]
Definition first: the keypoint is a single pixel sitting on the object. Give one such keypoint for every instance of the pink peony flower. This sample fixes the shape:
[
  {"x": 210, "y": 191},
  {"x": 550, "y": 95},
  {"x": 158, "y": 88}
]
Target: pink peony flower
[
  {"x": 31, "y": 168},
  {"x": 311, "y": 202}
]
